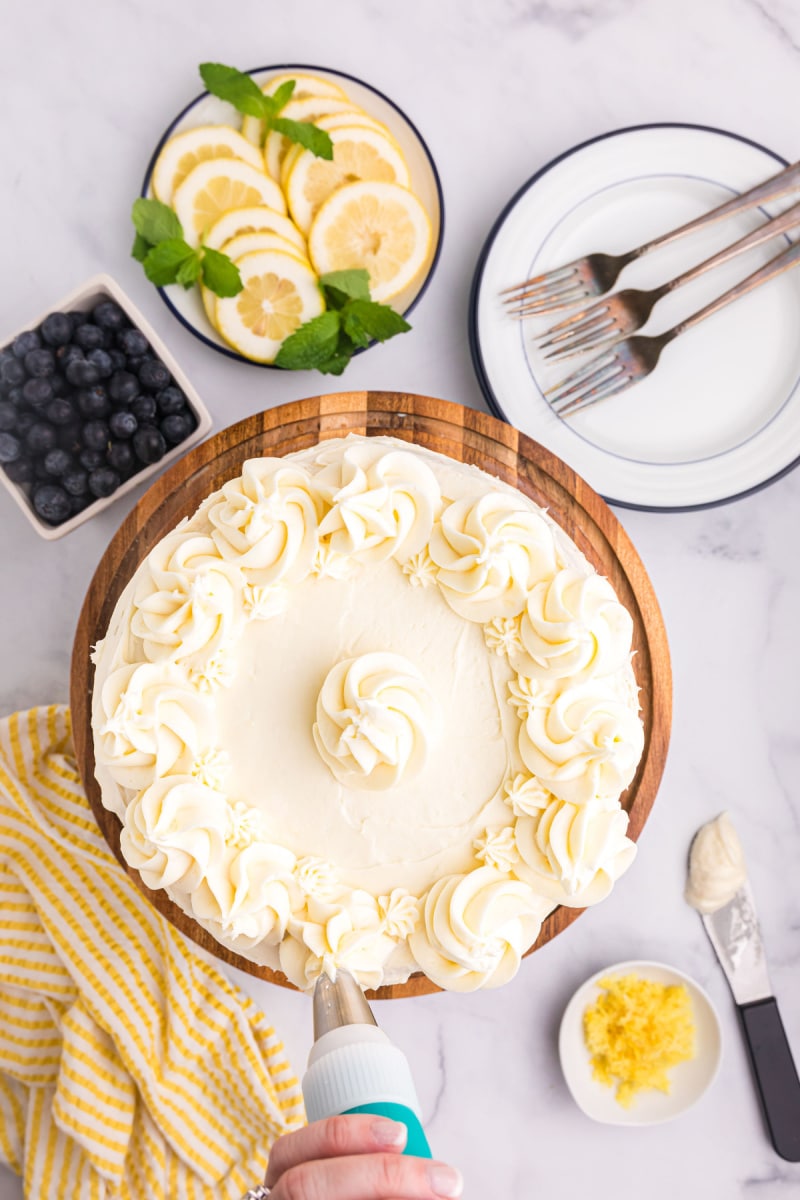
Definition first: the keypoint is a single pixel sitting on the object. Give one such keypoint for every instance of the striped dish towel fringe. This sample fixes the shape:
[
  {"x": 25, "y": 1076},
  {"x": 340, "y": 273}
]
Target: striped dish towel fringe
[{"x": 129, "y": 1065}]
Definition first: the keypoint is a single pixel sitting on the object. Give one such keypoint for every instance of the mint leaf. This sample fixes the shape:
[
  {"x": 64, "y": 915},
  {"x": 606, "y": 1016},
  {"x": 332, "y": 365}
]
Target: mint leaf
[
  {"x": 189, "y": 271},
  {"x": 282, "y": 95},
  {"x": 220, "y": 275},
  {"x": 139, "y": 248},
  {"x": 339, "y": 359},
  {"x": 164, "y": 261},
  {"x": 237, "y": 88},
  {"x": 364, "y": 320},
  {"x": 306, "y": 135},
  {"x": 154, "y": 221},
  {"x": 353, "y": 284},
  {"x": 315, "y": 342}
]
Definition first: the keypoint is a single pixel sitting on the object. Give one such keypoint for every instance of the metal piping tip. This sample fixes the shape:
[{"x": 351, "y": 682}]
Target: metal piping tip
[{"x": 338, "y": 1002}]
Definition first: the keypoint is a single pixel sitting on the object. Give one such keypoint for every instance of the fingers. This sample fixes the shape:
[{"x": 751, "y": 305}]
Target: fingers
[
  {"x": 368, "y": 1177},
  {"x": 334, "y": 1138}
]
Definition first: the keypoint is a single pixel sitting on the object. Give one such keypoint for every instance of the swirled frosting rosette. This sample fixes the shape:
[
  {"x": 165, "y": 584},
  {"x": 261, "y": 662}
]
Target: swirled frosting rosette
[
  {"x": 370, "y": 709},
  {"x": 267, "y": 520},
  {"x": 490, "y": 553}
]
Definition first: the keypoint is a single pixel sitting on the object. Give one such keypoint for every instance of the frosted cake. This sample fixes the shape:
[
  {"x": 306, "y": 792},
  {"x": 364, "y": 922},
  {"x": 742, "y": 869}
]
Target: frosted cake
[{"x": 371, "y": 708}]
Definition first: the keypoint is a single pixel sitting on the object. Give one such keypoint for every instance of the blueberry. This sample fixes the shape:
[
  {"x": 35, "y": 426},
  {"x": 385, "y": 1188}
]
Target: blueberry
[
  {"x": 176, "y": 427},
  {"x": 25, "y": 420},
  {"x": 52, "y": 503},
  {"x": 91, "y": 459},
  {"x": 109, "y": 315},
  {"x": 56, "y": 329},
  {"x": 67, "y": 354},
  {"x": 153, "y": 374},
  {"x": 93, "y": 402},
  {"x": 88, "y": 337},
  {"x": 170, "y": 400},
  {"x": 76, "y": 319},
  {"x": 120, "y": 456},
  {"x": 20, "y": 470},
  {"x": 82, "y": 374},
  {"x": 96, "y": 435},
  {"x": 40, "y": 471},
  {"x": 68, "y": 437},
  {"x": 144, "y": 408},
  {"x": 10, "y": 448},
  {"x": 133, "y": 342},
  {"x": 119, "y": 361},
  {"x": 12, "y": 372},
  {"x": 14, "y": 396},
  {"x": 61, "y": 411},
  {"x": 23, "y": 343},
  {"x": 40, "y": 438},
  {"x": 149, "y": 445},
  {"x": 8, "y": 415},
  {"x": 123, "y": 387},
  {"x": 103, "y": 481},
  {"x": 59, "y": 385},
  {"x": 40, "y": 363},
  {"x": 102, "y": 360},
  {"x": 79, "y": 503},
  {"x": 123, "y": 424},
  {"x": 38, "y": 392},
  {"x": 58, "y": 462},
  {"x": 5, "y": 356},
  {"x": 76, "y": 482}
]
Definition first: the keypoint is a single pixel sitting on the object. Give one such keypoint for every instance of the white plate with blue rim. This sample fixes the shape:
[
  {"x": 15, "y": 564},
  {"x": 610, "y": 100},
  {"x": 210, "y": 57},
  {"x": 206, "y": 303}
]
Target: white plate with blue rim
[
  {"x": 206, "y": 109},
  {"x": 720, "y": 416}
]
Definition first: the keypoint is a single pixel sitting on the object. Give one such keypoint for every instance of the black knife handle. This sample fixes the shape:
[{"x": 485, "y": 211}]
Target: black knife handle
[{"x": 776, "y": 1074}]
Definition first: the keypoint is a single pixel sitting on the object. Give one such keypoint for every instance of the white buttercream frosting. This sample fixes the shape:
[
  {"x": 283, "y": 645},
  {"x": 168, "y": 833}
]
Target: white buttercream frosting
[
  {"x": 375, "y": 716},
  {"x": 369, "y": 708},
  {"x": 716, "y": 865}
]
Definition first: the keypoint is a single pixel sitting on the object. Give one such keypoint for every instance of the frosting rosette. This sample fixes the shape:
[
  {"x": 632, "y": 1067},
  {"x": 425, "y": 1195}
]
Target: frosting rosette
[
  {"x": 489, "y": 555},
  {"x": 152, "y": 723},
  {"x": 573, "y": 853},
  {"x": 351, "y": 936},
  {"x": 381, "y": 504},
  {"x": 375, "y": 716},
  {"x": 251, "y": 901},
  {"x": 573, "y": 626},
  {"x": 475, "y": 929},
  {"x": 583, "y": 746},
  {"x": 267, "y": 521},
  {"x": 187, "y": 600},
  {"x": 174, "y": 831}
]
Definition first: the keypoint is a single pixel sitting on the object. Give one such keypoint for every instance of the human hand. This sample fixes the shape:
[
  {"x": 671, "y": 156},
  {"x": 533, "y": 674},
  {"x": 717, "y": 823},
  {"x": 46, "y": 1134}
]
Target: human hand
[{"x": 357, "y": 1157}]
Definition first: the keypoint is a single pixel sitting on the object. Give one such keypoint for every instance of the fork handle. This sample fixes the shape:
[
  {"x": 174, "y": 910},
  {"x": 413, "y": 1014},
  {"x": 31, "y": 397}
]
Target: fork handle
[
  {"x": 776, "y": 266},
  {"x": 764, "y": 233},
  {"x": 785, "y": 181}
]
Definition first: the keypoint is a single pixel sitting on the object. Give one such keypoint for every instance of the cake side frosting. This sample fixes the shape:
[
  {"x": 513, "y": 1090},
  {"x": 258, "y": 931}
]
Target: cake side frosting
[{"x": 291, "y": 692}]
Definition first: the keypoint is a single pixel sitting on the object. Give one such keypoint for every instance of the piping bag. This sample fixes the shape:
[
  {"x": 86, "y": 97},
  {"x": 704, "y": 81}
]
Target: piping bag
[{"x": 353, "y": 1067}]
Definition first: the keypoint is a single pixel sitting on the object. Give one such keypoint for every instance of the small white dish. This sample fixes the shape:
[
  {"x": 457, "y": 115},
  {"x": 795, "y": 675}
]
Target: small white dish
[
  {"x": 206, "y": 109},
  {"x": 688, "y": 1080},
  {"x": 83, "y": 299},
  {"x": 720, "y": 417}
]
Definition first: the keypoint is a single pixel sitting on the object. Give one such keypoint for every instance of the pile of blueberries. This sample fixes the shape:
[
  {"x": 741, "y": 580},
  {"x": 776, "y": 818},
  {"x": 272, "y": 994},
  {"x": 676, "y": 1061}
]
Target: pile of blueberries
[{"x": 84, "y": 405}]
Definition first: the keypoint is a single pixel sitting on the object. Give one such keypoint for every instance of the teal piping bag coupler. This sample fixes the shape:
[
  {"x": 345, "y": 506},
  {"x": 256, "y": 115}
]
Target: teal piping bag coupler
[{"x": 353, "y": 1067}]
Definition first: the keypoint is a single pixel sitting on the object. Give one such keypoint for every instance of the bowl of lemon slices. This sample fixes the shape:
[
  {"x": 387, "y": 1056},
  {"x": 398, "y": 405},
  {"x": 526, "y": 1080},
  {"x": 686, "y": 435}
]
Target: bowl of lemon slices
[{"x": 289, "y": 218}]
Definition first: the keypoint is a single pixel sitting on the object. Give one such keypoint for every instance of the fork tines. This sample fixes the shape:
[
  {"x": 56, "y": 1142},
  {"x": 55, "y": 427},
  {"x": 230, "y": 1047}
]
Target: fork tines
[
  {"x": 547, "y": 292},
  {"x": 602, "y": 377},
  {"x": 588, "y": 328}
]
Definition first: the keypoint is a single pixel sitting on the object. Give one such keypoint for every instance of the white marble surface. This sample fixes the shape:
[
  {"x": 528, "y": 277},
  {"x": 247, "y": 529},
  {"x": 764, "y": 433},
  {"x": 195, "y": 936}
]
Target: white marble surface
[{"x": 497, "y": 88}]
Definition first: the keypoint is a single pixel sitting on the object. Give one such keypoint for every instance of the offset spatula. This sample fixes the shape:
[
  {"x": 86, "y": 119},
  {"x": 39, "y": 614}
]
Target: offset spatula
[{"x": 735, "y": 935}]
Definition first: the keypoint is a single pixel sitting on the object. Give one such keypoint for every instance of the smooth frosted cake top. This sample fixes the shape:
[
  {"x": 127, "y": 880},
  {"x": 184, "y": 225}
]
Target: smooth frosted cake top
[{"x": 370, "y": 708}]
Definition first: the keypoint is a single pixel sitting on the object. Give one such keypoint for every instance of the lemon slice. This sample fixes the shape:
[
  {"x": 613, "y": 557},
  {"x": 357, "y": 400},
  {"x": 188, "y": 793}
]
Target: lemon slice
[
  {"x": 381, "y": 227},
  {"x": 309, "y": 109},
  {"x": 184, "y": 151},
  {"x": 328, "y": 124},
  {"x": 258, "y": 219},
  {"x": 279, "y": 294},
  {"x": 248, "y": 243},
  {"x": 358, "y": 154},
  {"x": 305, "y": 85},
  {"x": 213, "y": 188}
]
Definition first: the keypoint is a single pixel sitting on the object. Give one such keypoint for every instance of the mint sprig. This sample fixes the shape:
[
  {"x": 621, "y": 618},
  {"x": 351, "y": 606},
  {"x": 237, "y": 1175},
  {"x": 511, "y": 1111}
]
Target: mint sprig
[
  {"x": 159, "y": 245},
  {"x": 352, "y": 321},
  {"x": 244, "y": 94}
]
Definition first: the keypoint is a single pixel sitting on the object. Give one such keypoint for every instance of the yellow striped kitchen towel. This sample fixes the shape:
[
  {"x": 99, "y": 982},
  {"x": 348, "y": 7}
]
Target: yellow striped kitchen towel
[{"x": 129, "y": 1066}]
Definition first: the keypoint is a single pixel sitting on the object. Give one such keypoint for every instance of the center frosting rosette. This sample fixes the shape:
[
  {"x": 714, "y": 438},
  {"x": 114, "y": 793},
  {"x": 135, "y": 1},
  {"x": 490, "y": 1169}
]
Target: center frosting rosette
[{"x": 375, "y": 716}]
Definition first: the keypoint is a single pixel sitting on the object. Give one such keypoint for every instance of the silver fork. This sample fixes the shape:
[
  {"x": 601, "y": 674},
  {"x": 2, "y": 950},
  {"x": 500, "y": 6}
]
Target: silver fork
[
  {"x": 632, "y": 359},
  {"x": 626, "y": 311},
  {"x": 595, "y": 274}
]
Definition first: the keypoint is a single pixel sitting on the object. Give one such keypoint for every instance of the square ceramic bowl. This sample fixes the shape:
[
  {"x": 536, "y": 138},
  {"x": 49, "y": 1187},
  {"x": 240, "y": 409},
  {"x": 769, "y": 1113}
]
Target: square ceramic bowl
[{"x": 83, "y": 299}]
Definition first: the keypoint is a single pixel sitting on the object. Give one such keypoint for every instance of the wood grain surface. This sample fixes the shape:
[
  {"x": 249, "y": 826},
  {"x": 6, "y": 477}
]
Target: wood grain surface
[{"x": 463, "y": 434}]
